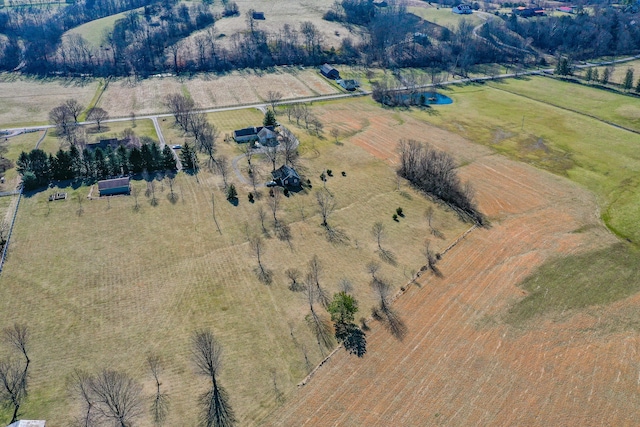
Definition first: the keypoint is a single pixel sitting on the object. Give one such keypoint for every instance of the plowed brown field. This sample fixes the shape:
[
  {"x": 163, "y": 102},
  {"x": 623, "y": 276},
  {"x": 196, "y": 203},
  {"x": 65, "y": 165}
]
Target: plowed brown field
[{"x": 460, "y": 364}]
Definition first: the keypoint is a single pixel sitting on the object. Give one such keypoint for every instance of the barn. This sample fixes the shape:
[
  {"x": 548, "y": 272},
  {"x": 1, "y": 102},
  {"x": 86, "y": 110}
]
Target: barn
[
  {"x": 110, "y": 187},
  {"x": 329, "y": 72}
]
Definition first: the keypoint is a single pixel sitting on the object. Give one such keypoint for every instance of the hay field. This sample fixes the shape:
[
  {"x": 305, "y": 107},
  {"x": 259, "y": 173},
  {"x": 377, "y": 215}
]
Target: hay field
[
  {"x": 209, "y": 90},
  {"x": 594, "y": 154},
  {"x": 618, "y": 72},
  {"x": 465, "y": 361},
  {"x": 27, "y": 102},
  {"x": 278, "y": 13},
  {"x": 94, "y": 31},
  {"x": 134, "y": 282}
]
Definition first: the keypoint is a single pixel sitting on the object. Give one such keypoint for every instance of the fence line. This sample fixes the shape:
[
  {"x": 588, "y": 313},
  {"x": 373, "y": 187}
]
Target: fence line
[{"x": 13, "y": 221}]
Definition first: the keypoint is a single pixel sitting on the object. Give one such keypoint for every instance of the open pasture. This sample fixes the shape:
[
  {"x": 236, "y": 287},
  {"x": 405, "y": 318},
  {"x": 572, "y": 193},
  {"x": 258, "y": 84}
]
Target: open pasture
[
  {"x": 444, "y": 17},
  {"x": 25, "y": 102},
  {"x": 110, "y": 284},
  {"x": 599, "y": 156},
  {"x": 463, "y": 362},
  {"x": 94, "y": 31}
]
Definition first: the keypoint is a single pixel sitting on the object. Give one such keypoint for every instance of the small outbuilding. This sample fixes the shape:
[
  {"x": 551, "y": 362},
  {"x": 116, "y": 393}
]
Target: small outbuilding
[
  {"x": 286, "y": 176},
  {"x": 329, "y": 72},
  {"x": 111, "y": 187},
  {"x": 462, "y": 9},
  {"x": 258, "y": 15}
]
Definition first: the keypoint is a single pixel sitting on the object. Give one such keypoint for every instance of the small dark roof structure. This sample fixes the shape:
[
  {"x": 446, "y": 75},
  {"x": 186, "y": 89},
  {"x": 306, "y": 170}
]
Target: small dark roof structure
[
  {"x": 103, "y": 144},
  {"x": 329, "y": 72},
  {"x": 286, "y": 176},
  {"x": 245, "y": 131},
  {"x": 258, "y": 15},
  {"x": 110, "y": 187},
  {"x": 349, "y": 84},
  {"x": 246, "y": 134}
]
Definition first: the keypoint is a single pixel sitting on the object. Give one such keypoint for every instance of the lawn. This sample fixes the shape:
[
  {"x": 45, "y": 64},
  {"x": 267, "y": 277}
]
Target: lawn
[
  {"x": 596, "y": 155},
  {"x": 134, "y": 282}
]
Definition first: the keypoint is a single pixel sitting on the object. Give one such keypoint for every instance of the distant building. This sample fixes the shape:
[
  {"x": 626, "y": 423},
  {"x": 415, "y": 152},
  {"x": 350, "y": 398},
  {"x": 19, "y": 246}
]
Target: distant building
[
  {"x": 329, "y": 72},
  {"x": 249, "y": 134},
  {"x": 528, "y": 12},
  {"x": 348, "y": 84},
  {"x": 258, "y": 15},
  {"x": 462, "y": 9},
  {"x": 111, "y": 187},
  {"x": 286, "y": 176},
  {"x": 566, "y": 9}
]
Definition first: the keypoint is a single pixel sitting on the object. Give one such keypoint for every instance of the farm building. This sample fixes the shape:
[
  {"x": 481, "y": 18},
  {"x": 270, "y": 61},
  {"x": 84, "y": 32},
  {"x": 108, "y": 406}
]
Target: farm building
[
  {"x": 348, "y": 84},
  {"x": 462, "y": 9},
  {"x": 249, "y": 134},
  {"x": 110, "y": 187},
  {"x": 286, "y": 176},
  {"x": 267, "y": 137},
  {"x": 258, "y": 15},
  {"x": 566, "y": 9},
  {"x": 527, "y": 12},
  {"x": 329, "y": 72}
]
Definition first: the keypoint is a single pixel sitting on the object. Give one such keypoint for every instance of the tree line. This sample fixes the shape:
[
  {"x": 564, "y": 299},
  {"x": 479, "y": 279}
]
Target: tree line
[
  {"x": 38, "y": 169},
  {"x": 154, "y": 41},
  {"x": 434, "y": 172}
]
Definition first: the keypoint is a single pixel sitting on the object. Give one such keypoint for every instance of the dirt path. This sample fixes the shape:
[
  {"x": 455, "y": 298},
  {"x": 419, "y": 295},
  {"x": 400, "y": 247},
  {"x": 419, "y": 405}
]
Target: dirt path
[{"x": 459, "y": 363}]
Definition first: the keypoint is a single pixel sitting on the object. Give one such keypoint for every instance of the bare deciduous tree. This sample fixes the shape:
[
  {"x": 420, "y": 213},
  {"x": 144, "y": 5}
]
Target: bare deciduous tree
[
  {"x": 207, "y": 356},
  {"x": 98, "y": 115},
  {"x": 160, "y": 403},
  {"x": 378, "y": 233},
  {"x": 289, "y": 148},
  {"x": 326, "y": 205},
  {"x": 74, "y": 108},
  {"x": 293, "y": 274},
  {"x": 319, "y": 325},
  {"x": 180, "y": 106},
  {"x": 432, "y": 259},
  {"x": 273, "y": 97},
  {"x": 384, "y": 312},
  {"x": 113, "y": 396},
  {"x": 313, "y": 277},
  {"x": 274, "y": 203},
  {"x": 335, "y": 132},
  {"x": 262, "y": 214},
  {"x": 222, "y": 164},
  {"x": 257, "y": 247},
  {"x": 272, "y": 154},
  {"x": 13, "y": 374}
]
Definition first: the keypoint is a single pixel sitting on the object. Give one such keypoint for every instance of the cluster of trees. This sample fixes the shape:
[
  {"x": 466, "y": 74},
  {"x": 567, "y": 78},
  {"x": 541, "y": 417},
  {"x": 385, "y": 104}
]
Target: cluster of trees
[
  {"x": 153, "y": 42},
  {"x": 65, "y": 118},
  {"x": 434, "y": 172},
  {"x": 606, "y": 31},
  {"x": 38, "y": 169}
]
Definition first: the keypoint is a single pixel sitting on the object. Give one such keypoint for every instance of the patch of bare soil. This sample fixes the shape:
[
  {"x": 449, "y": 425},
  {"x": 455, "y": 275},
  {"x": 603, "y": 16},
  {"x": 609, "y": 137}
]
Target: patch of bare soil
[{"x": 459, "y": 364}]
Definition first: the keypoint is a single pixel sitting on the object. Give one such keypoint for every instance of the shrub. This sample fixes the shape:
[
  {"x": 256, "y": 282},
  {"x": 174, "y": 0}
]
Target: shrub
[
  {"x": 250, "y": 197},
  {"x": 231, "y": 192},
  {"x": 344, "y": 173},
  {"x": 286, "y": 192},
  {"x": 329, "y": 172},
  {"x": 399, "y": 212},
  {"x": 395, "y": 217}
]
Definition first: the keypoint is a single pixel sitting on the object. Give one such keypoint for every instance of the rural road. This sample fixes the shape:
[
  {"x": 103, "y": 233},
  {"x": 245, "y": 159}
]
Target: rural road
[{"x": 9, "y": 132}]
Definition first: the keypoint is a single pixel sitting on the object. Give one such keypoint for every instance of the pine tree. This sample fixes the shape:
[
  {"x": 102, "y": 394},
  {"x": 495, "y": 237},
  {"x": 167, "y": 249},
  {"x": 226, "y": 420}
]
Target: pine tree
[
  {"x": 628, "y": 79},
  {"x": 605, "y": 76},
  {"x": 189, "y": 157},
  {"x": 589, "y": 75},
  {"x": 269, "y": 119},
  {"x": 168, "y": 160}
]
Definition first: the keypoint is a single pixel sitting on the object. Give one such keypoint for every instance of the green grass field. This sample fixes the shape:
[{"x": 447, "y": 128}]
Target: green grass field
[
  {"x": 594, "y": 154},
  {"x": 94, "y": 31},
  {"x": 103, "y": 285},
  {"x": 444, "y": 17}
]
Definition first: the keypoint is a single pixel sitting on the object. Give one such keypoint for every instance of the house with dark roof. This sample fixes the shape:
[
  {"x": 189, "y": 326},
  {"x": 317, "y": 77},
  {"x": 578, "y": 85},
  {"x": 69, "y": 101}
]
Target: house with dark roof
[
  {"x": 349, "y": 84},
  {"x": 111, "y": 187},
  {"x": 527, "y": 12},
  {"x": 249, "y": 134},
  {"x": 267, "y": 137},
  {"x": 103, "y": 144},
  {"x": 462, "y": 9},
  {"x": 329, "y": 72},
  {"x": 286, "y": 176}
]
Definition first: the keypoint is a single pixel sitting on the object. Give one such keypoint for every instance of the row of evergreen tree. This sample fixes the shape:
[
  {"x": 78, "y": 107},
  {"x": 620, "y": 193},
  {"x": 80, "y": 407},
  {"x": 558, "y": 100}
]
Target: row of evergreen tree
[{"x": 38, "y": 168}]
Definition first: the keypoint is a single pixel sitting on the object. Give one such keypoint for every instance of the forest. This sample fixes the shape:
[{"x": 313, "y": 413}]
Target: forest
[{"x": 169, "y": 36}]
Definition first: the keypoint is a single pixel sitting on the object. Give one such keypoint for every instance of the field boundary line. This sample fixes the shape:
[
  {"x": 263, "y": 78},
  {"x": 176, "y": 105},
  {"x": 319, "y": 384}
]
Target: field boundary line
[{"x": 401, "y": 291}]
